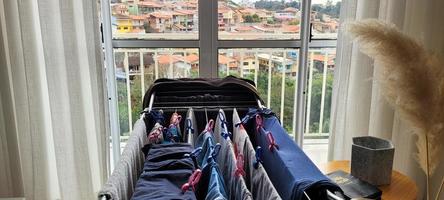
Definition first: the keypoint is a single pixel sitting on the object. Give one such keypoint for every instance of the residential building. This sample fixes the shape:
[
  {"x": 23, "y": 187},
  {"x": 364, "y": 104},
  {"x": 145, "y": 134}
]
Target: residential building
[
  {"x": 160, "y": 22},
  {"x": 137, "y": 22},
  {"x": 147, "y": 7},
  {"x": 124, "y": 24},
  {"x": 277, "y": 64}
]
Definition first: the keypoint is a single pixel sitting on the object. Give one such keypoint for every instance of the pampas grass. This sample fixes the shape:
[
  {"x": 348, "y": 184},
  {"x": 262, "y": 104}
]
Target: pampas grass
[{"x": 412, "y": 81}]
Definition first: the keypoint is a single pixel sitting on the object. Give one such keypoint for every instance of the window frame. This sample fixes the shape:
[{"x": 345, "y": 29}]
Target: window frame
[{"x": 209, "y": 44}]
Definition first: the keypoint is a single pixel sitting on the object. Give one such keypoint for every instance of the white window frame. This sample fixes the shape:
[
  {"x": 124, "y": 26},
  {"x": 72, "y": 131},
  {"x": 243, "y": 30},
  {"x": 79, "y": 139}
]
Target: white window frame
[{"x": 208, "y": 45}]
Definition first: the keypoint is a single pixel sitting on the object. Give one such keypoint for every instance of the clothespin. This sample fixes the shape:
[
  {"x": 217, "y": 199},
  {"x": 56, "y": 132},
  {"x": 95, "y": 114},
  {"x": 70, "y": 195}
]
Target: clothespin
[
  {"x": 154, "y": 135},
  {"x": 192, "y": 181},
  {"x": 189, "y": 126},
  {"x": 214, "y": 151},
  {"x": 210, "y": 126},
  {"x": 239, "y": 166},
  {"x": 272, "y": 143},
  {"x": 259, "y": 123},
  {"x": 224, "y": 133},
  {"x": 258, "y": 156},
  {"x": 193, "y": 155}
]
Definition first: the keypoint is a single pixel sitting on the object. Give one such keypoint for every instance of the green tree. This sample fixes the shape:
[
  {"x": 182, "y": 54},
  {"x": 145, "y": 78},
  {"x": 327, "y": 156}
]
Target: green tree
[
  {"x": 294, "y": 22},
  {"x": 316, "y": 98},
  {"x": 248, "y": 18}
]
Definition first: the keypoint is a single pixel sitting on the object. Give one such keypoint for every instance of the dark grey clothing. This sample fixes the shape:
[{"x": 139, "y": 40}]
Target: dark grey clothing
[
  {"x": 165, "y": 170},
  {"x": 257, "y": 180},
  {"x": 236, "y": 186}
]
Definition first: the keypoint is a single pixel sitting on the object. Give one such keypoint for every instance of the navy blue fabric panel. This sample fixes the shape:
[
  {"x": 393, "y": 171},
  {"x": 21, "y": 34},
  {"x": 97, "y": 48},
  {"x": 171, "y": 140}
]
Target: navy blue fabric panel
[
  {"x": 290, "y": 170},
  {"x": 165, "y": 170}
]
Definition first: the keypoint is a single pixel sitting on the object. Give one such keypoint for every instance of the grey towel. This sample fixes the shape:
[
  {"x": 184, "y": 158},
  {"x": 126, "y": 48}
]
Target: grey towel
[
  {"x": 257, "y": 180},
  {"x": 121, "y": 183},
  {"x": 226, "y": 159}
]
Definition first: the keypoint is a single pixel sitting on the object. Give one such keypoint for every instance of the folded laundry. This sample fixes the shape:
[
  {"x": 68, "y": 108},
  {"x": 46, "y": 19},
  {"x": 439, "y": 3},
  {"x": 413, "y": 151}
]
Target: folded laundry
[{"x": 167, "y": 167}]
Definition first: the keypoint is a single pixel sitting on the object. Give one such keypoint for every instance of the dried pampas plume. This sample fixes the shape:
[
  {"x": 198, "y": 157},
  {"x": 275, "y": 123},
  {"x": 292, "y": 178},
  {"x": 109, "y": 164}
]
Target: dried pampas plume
[{"x": 412, "y": 80}]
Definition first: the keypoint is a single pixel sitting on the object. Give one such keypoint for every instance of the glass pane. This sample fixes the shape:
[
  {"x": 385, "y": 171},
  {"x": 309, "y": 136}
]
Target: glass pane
[
  {"x": 273, "y": 70},
  {"x": 133, "y": 79},
  {"x": 320, "y": 84},
  {"x": 319, "y": 93},
  {"x": 259, "y": 19},
  {"x": 155, "y": 19},
  {"x": 325, "y": 18}
]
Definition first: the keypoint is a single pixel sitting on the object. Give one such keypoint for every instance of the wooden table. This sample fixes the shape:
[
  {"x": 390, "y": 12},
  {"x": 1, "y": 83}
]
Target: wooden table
[{"x": 401, "y": 186}]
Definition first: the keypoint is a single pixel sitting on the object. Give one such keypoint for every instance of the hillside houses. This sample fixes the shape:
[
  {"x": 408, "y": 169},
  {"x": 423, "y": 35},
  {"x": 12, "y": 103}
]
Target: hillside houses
[{"x": 177, "y": 16}]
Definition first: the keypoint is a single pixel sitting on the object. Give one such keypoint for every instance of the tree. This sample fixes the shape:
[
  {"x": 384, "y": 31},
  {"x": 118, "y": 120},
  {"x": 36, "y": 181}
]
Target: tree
[
  {"x": 248, "y": 18},
  {"x": 256, "y": 18},
  {"x": 294, "y": 22}
]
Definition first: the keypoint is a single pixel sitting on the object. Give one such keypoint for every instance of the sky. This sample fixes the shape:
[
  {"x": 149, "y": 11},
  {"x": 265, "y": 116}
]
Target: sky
[{"x": 312, "y": 1}]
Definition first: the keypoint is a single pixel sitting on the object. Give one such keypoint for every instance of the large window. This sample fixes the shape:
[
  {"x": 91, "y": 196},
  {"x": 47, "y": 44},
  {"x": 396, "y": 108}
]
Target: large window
[{"x": 261, "y": 40}]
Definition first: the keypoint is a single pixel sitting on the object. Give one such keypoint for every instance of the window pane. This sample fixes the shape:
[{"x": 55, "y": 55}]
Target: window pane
[
  {"x": 136, "y": 70},
  {"x": 273, "y": 70},
  {"x": 259, "y": 19},
  {"x": 155, "y": 19},
  {"x": 320, "y": 84},
  {"x": 325, "y": 18}
]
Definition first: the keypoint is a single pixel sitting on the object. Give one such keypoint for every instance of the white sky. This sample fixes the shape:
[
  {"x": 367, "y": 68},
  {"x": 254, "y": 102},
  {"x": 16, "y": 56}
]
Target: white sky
[{"x": 312, "y": 1}]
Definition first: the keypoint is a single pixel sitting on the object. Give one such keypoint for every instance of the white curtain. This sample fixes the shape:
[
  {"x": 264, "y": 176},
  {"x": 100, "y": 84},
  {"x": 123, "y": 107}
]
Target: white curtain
[
  {"x": 52, "y": 111},
  {"x": 359, "y": 108}
]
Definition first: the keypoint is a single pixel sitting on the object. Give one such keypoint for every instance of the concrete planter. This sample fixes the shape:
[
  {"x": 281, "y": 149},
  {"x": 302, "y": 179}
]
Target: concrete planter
[{"x": 372, "y": 160}]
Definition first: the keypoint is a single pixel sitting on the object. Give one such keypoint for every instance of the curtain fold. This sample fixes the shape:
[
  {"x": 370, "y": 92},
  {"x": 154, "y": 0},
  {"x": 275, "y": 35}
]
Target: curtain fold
[
  {"x": 358, "y": 107},
  {"x": 53, "y": 102}
]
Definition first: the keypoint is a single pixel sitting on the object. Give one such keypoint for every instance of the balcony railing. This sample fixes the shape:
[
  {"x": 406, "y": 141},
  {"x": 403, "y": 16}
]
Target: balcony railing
[{"x": 273, "y": 70}]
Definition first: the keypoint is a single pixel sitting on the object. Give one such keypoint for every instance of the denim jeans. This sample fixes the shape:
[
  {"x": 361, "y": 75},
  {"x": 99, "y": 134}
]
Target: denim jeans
[{"x": 211, "y": 185}]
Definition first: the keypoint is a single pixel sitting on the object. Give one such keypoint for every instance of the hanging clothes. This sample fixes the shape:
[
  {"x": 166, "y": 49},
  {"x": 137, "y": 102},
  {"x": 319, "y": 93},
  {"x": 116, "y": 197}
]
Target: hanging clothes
[
  {"x": 166, "y": 168},
  {"x": 211, "y": 185},
  {"x": 190, "y": 133},
  {"x": 290, "y": 170},
  {"x": 173, "y": 133},
  {"x": 228, "y": 162},
  {"x": 256, "y": 178},
  {"x": 155, "y": 136}
]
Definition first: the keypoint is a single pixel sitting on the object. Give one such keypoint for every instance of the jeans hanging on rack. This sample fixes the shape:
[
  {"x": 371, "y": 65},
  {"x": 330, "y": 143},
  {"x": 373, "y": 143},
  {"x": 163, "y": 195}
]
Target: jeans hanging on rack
[
  {"x": 256, "y": 178},
  {"x": 165, "y": 170},
  {"x": 290, "y": 170},
  {"x": 211, "y": 185},
  {"x": 228, "y": 162}
]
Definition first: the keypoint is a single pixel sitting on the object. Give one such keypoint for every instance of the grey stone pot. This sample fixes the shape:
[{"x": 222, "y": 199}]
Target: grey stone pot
[{"x": 372, "y": 160}]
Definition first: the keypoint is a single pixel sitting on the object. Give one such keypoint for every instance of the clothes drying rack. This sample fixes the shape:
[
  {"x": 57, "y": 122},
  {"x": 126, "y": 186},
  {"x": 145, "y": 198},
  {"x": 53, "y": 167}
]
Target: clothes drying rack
[{"x": 205, "y": 102}]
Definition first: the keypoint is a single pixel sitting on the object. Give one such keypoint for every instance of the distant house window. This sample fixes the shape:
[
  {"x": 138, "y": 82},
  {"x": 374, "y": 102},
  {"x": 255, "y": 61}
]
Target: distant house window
[
  {"x": 245, "y": 63},
  {"x": 126, "y": 28},
  {"x": 254, "y": 62}
]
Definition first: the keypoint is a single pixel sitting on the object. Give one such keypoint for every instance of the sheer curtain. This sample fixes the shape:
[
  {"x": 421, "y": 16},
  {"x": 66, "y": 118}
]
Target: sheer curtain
[
  {"x": 52, "y": 111},
  {"x": 359, "y": 108}
]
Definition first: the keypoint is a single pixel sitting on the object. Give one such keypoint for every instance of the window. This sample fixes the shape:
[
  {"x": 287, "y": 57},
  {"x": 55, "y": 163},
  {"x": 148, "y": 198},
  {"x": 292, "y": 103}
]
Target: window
[{"x": 267, "y": 41}]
